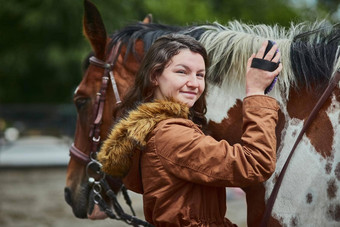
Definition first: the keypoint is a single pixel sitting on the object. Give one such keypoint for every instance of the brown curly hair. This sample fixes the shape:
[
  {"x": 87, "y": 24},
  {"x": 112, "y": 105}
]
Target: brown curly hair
[{"x": 153, "y": 64}]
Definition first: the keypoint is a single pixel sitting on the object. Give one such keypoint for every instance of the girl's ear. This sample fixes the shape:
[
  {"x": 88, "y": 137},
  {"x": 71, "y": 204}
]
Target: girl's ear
[{"x": 154, "y": 79}]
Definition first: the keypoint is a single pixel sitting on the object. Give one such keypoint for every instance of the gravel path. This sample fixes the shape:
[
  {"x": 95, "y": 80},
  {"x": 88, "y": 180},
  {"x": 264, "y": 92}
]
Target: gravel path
[{"x": 34, "y": 197}]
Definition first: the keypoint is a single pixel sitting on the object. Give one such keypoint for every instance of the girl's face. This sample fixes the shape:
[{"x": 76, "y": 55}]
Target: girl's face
[{"x": 182, "y": 79}]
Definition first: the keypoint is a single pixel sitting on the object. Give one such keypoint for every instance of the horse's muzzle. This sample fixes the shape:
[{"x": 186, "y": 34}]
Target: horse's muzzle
[{"x": 68, "y": 197}]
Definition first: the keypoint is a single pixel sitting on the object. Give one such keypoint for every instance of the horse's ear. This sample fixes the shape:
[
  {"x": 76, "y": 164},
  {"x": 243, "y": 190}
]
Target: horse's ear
[
  {"x": 148, "y": 19},
  {"x": 94, "y": 29}
]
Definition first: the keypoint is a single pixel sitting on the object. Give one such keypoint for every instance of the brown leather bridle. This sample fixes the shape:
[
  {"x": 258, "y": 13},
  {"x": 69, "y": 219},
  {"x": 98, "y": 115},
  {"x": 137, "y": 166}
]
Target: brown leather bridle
[
  {"x": 98, "y": 107},
  {"x": 91, "y": 162}
]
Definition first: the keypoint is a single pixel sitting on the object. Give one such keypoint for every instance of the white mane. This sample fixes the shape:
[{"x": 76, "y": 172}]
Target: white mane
[{"x": 230, "y": 46}]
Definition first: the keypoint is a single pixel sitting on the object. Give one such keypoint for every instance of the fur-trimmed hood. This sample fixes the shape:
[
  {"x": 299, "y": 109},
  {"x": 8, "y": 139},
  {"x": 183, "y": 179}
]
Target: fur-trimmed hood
[{"x": 130, "y": 133}]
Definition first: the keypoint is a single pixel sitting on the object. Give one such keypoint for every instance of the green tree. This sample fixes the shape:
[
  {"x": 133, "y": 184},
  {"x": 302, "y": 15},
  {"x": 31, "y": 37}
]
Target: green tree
[
  {"x": 330, "y": 8},
  {"x": 42, "y": 45},
  {"x": 318, "y": 9},
  {"x": 186, "y": 11},
  {"x": 40, "y": 50}
]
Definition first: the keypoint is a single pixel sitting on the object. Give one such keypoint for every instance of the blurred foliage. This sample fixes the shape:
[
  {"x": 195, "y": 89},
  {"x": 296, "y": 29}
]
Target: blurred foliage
[{"x": 42, "y": 45}]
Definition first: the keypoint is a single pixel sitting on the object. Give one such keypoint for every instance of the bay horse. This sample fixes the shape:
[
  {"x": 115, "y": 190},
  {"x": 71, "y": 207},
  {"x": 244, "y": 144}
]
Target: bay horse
[{"x": 309, "y": 194}]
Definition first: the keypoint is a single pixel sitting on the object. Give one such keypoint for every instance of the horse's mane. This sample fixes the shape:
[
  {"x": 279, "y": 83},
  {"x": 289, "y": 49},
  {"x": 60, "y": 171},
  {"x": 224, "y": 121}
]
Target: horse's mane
[
  {"x": 148, "y": 33},
  {"x": 315, "y": 54},
  {"x": 309, "y": 51}
]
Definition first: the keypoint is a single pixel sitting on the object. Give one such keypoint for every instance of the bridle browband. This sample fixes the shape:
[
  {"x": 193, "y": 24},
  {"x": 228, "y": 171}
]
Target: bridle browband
[
  {"x": 91, "y": 162},
  {"x": 271, "y": 201}
]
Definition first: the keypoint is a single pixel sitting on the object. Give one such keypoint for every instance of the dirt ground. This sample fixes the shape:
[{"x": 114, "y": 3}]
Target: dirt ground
[{"x": 35, "y": 197}]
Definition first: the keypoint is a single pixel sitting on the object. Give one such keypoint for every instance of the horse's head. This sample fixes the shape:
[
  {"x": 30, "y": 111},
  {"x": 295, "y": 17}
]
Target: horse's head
[{"x": 95, "y": 101}]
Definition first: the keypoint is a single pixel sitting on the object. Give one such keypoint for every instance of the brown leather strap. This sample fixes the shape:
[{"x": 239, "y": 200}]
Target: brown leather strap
[
  {"x": 97, "y": 62},
  {"x": 270, "y": 204},
  {"x": 78, "y": 155},
  {"x": 98, "y": 107}
]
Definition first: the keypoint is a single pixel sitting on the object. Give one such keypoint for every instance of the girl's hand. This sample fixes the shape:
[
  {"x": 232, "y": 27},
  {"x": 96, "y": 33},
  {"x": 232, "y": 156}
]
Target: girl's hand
[{"x": 257, "y": 80}]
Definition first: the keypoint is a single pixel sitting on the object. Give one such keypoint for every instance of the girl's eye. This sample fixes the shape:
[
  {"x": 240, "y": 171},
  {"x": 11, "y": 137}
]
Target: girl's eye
[
  {"x": 181, "y": 71},
  {"x": 200, "y": 75}
]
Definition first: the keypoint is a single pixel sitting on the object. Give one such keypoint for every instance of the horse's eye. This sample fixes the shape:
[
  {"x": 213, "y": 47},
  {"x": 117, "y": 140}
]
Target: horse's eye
[{"x": 81, "y": 102}]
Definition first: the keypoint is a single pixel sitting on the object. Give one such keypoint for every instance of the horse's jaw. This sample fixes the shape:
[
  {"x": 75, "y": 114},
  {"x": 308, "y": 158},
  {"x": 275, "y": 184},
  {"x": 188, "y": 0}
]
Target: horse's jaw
[
  {"x": 93, "y": 210},
  {"x": 97, "y": 213},
  {"x": 83, "y": 205}
]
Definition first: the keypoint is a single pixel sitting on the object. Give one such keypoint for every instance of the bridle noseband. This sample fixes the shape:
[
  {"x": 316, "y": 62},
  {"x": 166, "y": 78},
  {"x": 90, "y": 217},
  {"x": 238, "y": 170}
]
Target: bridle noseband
[{"x": 91, "y": 162}]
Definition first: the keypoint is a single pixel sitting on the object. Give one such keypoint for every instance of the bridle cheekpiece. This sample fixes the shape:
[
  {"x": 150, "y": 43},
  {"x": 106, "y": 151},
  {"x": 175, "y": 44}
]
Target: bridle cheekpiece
[{"x": 91, "y": 162}]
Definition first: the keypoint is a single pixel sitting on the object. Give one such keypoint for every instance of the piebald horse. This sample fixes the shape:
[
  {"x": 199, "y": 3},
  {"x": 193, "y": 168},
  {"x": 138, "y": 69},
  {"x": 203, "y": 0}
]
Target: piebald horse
[{"x": 310, "y": 191}]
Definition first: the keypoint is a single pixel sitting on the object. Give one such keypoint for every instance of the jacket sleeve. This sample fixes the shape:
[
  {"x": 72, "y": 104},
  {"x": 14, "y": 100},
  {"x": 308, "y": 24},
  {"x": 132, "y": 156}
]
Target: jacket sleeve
[{"x": 187, "y": 153}]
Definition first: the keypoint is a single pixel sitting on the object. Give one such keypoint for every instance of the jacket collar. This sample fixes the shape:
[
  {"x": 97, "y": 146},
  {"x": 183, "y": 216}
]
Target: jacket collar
[{"x": 130, "y": 133}]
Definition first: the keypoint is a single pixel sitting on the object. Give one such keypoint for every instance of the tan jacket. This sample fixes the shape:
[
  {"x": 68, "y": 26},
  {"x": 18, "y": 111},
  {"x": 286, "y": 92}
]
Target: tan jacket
[{"x": 183, "y": 173}]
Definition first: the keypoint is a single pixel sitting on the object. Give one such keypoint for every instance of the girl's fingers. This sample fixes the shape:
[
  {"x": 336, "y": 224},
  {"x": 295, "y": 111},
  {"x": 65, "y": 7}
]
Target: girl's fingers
[
  {"x": 271, "y": 53},
  {"x": 261, "y": 51},
  {"x": 250, "y": 60},
  {"x": 278, "y": 70},
  {"x": 277, "y": 57}
]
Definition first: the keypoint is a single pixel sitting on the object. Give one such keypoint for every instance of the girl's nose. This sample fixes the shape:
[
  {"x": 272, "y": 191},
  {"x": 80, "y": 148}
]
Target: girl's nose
[{"x": 192, "y": 81}]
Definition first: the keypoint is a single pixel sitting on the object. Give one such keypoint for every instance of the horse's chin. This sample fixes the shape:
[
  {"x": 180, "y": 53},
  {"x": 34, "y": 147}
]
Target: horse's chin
[
  {"x": 96, "y": 213},
  {"x": 93, "y": 210}
]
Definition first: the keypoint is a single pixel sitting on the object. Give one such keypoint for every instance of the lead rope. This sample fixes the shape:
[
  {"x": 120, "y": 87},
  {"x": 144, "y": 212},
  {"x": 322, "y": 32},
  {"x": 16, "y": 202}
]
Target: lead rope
[
  {"x": 129, "y": 219},
  {"x": 319, "y": 104},
  {"x": 101, "y": 184},
  {"x": 127, "y": 199}
]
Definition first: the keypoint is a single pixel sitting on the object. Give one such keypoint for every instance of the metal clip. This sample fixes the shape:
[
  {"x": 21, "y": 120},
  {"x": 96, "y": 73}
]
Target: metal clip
[
  {"x": 94, "y": 139},
  {"x": 97, "y": 198},
  {"x": 91, "y": 180},
  {"x": 96, "y": 167},
  {"x": 97, "y": 188}
]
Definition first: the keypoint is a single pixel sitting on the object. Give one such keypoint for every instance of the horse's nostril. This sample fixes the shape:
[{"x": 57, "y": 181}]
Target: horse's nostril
[{"x": 68, "y": 197}]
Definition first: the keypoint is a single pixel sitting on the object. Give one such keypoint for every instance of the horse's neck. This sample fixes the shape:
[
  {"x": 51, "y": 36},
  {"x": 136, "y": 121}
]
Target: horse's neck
[
  {"x": 315, "y": 163},
  {"x": 224, "y": 110},
  {"x": 314, "y": 168},
  {"x": 222, "y": 98},
  {"x": 224, "y": 115}
]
